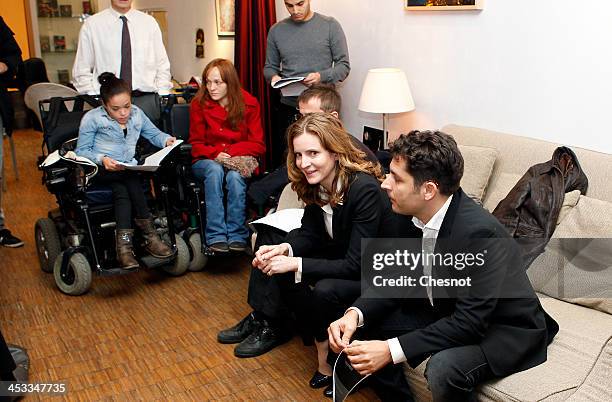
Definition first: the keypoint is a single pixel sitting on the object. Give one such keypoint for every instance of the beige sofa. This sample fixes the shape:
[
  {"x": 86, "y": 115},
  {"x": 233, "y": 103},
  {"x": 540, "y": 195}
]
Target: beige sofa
[{"x": 579, "y": 365}]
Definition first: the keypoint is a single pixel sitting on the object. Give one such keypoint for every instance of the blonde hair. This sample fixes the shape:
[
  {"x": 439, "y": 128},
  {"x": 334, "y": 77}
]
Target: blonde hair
[{"x": 335, "y": 139}]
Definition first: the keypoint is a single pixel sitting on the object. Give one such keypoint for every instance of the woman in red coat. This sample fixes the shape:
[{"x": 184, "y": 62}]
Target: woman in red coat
[{"x": 225, "y": 123}]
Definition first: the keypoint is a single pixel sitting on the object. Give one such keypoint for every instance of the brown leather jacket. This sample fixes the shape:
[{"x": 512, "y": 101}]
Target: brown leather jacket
[{"x": 531, "y": 208}]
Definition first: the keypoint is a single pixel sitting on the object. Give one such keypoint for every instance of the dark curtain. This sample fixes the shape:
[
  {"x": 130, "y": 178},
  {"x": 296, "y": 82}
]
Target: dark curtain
[{"x": 253, "y": 20}]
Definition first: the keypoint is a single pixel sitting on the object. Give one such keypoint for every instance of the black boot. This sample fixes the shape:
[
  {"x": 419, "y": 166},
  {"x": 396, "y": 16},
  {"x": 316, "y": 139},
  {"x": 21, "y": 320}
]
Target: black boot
[
  {"x": 240, "y": 331},
  {"x": 263, "y": 339},
  {"x": 125, "y": 254}
]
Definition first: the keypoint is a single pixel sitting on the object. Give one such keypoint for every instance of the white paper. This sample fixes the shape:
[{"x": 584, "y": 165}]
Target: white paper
[
  {"x": 290, "y": 86},
  {"x": 152, "y": 162},
  {"x": 285, "y": 219},
  {"x": 294, "y": 89},
  {"x": 286, "y": 81},
  {"x": 55, "y": 157}
]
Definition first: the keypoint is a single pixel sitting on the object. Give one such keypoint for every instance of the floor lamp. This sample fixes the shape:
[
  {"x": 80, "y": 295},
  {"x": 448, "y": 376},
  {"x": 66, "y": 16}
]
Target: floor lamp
[{"x": 386, "y": 90}]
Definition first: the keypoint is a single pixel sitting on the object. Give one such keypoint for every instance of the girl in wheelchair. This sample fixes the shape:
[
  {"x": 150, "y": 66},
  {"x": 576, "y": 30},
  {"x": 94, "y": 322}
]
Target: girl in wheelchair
[
  {"x": 226, "y": 137},
  {"x": 107, "y": 136}
]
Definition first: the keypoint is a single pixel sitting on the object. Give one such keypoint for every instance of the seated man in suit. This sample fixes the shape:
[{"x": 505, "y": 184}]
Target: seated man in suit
[
  {"x": 317, "y": 98},
  {"x": 492, "y": 328}
]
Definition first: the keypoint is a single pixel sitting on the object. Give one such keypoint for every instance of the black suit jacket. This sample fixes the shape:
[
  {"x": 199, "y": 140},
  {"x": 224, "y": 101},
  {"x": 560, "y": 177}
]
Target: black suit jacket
[
  {"x": 499, "y": 311},
  {"x": 10, "y": 54},
  {"x": 365, "y": 212}
]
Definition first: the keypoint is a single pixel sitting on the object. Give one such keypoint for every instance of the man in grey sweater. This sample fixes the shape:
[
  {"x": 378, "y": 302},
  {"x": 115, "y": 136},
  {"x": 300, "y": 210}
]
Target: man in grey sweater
[{"x": 306, "y": 44}]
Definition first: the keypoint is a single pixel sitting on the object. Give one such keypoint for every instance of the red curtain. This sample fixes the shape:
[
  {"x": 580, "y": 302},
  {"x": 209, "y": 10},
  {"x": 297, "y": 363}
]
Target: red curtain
[{"x": 253, "y": 20}]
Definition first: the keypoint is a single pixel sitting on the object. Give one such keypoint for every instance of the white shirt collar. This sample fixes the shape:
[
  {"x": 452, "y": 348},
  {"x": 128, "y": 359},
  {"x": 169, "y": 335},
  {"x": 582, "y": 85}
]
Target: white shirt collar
[
  {"x": 436, "y": 221},
  {"x": 117, "y": 14}
]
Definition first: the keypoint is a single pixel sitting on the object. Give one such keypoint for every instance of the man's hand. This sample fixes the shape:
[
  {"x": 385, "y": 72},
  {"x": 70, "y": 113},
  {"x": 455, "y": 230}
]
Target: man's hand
[
  {"x": 170, "y": 141},
  {"x": 3, "y": 68},
  {"x": 275, "y": 78},
  {"x": 264, "y": 254},
  {"x": 280, "y": 264},
  {"x": 341, "y": 331},
  {"x": 223, "y": 155},
  {"x": 311, "y": 79},
  {"x": 367, "y": 357},
  {"x": 111, "y": 165}
]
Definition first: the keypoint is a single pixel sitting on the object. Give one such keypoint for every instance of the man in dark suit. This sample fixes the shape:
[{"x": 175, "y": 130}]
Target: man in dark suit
[
  {"x": 10, "y": 57},
  {"x": 493, "y": 327}
]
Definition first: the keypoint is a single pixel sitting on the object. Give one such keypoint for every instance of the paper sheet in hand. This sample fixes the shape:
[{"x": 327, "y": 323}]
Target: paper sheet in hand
[
  {"x": 285, "y": 219},
  {"x": 152, "y": 162},
  {"x": 291, "y": 86},
  {"x": 345, "y": 378}
]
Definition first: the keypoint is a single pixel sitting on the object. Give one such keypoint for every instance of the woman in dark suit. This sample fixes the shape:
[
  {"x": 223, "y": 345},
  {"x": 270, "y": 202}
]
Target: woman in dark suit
[{"x": 317, "y": 266}]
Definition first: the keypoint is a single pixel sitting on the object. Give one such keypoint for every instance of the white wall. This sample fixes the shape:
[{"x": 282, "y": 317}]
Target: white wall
[
  {"x": 541, "y": 68},
  {"x": 184, "y": 18}
]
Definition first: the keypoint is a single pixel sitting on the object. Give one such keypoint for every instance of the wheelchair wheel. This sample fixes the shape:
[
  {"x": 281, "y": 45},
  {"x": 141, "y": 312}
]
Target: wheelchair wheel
[
  {"x": 199, "y": 260},
  {"x": 48, "y": 245},
  {"x": 181, "y": 261},
  {"x": 78, "y": 276}
]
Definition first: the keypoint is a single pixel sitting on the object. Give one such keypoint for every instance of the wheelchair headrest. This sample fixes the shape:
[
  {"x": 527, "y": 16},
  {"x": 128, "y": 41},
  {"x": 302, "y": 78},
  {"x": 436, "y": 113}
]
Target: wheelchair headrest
[{"x": 61, "y": 123}]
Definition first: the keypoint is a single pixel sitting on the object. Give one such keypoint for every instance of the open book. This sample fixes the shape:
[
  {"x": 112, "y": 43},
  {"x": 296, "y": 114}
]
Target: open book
[
  {"x": 291, "y": 86},
  {"x": 152, "y": 162},
  {"x": 345, "y": 378}
]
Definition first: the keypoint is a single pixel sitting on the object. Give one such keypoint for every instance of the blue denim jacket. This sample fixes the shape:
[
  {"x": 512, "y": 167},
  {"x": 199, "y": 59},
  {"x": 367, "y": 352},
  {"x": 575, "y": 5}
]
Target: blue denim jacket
[{"x": 100, "y": 136}]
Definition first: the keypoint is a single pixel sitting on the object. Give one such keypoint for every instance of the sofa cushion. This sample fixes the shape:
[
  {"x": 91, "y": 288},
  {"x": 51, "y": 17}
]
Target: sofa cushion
[
  {"x": 569, "y": 201},
  {"x": 499, "y": 189},
  {"x": 289, "y": 199},
  {"x": 583, "y": 338},
  {"x": 478, "y": 166},
  {"x": 577, "y": 263}
]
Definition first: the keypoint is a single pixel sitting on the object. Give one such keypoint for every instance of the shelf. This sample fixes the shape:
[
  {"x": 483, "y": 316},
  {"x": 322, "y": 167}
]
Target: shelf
[
  {"x": 60, "y": 52},
  {"x": 61, "y": 18}
]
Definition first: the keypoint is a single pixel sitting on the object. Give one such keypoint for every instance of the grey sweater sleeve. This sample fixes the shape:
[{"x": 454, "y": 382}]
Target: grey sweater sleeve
[
  {"x": 341, "y": 68},
  {"x": 272, "y": 65}
]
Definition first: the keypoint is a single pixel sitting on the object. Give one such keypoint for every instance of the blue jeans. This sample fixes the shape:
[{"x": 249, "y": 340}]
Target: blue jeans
[{"x": 222, "y": 225}]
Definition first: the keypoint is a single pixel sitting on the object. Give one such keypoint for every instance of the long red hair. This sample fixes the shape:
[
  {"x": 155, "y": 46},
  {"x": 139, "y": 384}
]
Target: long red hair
[{"x": 235, "y": 105}]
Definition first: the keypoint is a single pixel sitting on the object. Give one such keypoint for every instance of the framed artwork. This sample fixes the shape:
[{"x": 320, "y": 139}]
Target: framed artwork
[
  {"x": 443, "y": 5},
  {"x": 373, "y": 138},
  {"x": 225, "y": 10}
]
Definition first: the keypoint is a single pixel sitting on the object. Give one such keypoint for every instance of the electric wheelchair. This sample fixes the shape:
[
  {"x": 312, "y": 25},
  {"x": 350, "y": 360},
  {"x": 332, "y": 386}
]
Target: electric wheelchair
[
  {"x": 78, "y": 237},
  {"x": 188, "y": 193}
]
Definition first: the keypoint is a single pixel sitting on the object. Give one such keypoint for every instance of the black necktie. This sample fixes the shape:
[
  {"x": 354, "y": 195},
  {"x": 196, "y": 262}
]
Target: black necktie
[{"x": 126, "y": 53}]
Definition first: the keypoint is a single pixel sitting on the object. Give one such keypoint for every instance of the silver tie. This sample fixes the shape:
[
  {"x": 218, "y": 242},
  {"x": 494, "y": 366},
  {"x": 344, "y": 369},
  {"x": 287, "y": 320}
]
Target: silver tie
[{"x": 428, "y": 245}]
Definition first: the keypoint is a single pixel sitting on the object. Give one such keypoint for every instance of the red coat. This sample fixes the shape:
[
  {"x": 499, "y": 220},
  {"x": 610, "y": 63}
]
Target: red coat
[{"x": 210, "y": 134}]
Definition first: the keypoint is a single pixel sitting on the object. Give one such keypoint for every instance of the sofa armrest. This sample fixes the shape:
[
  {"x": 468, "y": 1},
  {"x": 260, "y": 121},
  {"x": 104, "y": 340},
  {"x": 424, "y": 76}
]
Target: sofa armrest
[{"x": 289, "y": 199}]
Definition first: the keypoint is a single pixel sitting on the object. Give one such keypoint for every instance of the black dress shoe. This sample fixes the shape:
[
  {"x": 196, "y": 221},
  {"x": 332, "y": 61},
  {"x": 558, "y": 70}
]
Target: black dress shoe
[
  {"x": 220, "y": 247},
  {"x": 238, "y": 246},
  {"x": 329, "y": 391},
  {"x": 263, "y": 339},
  {"x": 240, "y": 331},
  {"x": 319, "y": 380}
]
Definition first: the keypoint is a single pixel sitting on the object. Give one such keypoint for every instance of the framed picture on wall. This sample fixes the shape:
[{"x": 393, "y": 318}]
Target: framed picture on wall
[
  {"x": 442, "y": 5},
  {"x": 225, "y": 11}
]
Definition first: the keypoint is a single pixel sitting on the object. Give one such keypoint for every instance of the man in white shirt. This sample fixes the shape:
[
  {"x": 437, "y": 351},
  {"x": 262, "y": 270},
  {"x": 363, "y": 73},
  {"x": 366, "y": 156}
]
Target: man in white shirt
[
  {"x": 102, "y": 42},
  {"x": 489, "y": 325}
]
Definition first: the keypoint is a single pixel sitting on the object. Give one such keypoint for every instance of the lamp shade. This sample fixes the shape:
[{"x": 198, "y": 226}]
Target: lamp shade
[{"x": 386, "y": 90}]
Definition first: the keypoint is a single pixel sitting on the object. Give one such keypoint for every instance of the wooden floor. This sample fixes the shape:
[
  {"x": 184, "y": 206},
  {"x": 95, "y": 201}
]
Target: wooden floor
[{"x": 145, "y": 336}]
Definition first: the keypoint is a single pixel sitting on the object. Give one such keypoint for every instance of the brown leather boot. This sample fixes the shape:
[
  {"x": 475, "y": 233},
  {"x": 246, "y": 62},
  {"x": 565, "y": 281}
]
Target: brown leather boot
[
  {"x": 153, "y": 243},
  {"x": 125, "y": 254}
]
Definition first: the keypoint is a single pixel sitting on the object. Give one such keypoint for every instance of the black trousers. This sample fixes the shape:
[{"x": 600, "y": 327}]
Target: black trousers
[
  {"x": 452, "y": 374},
  {"x": 7, "y": 364},
  {"x": 128, "y": 195},
  {"x": 315, "y": 305},
  {"x": 284, "y": 116}
]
